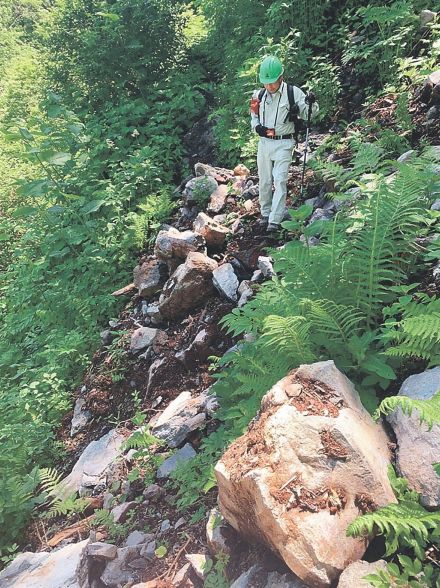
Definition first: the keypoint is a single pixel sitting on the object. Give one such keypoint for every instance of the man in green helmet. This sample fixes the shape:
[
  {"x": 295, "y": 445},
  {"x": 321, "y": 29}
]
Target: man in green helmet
[{"x": 272, "y": 117}]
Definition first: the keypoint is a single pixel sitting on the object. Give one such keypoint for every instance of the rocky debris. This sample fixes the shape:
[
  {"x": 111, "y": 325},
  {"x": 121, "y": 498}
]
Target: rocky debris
[
  {"x": 199, "y": 189},
  {"x": 430, "y": 91},
  {"x": 142, "y": 338},
  {"x": 106, "y": 337},
  {"x": 55, "y": 569},
  {"x": 169, "y": 465},
  {"x": 241, "y": 170},
  {"x": 226, "y": 281},
  {"x": 120, "y": 512},
  {"x": 295, "y": 479},
  {"x": 136, "y": 537},
  {"x": 320, "y": 215},
  {"x": 417, "y": 446},
  {"x": 173, "y": 246},
  {"x": 220, "y": 174},
  {"x": 426, "y": 16},
  {"x": 245, "y": 292},
  {"x": 149, "y": 277},
  {"x": 152, "y": 491},
  {"x": 219, "y": 533},
  {"x": 353, "y": 576},
  {"x": 189, "y": 285},
  {"x": 182, "y": 416},
  {"x": 81, "y": 417},
  {"x": 160, "y": 371},
  {"x": 101, "y": 551},
  {"x": 218, "y": 199},
  {"x": 125, "y": 568},
  {"x": 181, "y": 575},
  {"x": 213, "y": 232},
  {"x": 200, "y": 348},
  {"x": 257, "y": 576},
  {"x": 91, "y": 467},
  {"x": 198, "y": 562},
  {"x": 265, "y": 265},
  {"x": 152, "y": 312}
]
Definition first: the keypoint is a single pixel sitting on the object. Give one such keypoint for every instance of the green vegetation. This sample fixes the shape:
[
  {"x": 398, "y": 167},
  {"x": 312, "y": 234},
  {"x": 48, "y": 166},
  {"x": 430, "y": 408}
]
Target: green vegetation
[{"x": 95, "y": 98}]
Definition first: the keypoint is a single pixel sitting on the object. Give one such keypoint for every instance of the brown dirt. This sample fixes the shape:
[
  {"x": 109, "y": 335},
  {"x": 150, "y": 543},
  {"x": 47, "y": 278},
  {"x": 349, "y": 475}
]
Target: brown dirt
[
  {"x": 332, "y": 447},
  {"x": 315, "y": 398}
]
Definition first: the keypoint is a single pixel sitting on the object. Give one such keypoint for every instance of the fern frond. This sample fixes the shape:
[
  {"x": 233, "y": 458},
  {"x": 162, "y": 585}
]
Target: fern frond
[
  {"x": 49, "y": 480},
  {"x": 428, "y": 410},
  {"x": 289, "y": 335},
  {"x": 335, "y": 321},
  {"x": 407, "y": 522}
]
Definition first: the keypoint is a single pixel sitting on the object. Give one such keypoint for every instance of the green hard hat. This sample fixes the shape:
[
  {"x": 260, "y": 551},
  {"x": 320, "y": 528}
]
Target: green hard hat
[{"x": 270, "y": 69}]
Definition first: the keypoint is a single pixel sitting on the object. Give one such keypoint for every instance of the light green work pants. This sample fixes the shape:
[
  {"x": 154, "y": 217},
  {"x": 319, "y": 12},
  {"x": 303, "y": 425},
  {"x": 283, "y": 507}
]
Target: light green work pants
[{"x": 273, "y": 159}]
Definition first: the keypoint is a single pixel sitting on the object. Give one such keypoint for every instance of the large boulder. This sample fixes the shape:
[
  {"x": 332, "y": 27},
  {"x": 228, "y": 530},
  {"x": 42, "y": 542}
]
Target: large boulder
[
  {"x": 149, "y": 277},
  {"x": 310, "y": 463},
  {"x": 93, "y": 463},
  {"x": 418, "y": 447},
  {"x": 189, "y": 285},
  {"x": 56, "y": 569}
]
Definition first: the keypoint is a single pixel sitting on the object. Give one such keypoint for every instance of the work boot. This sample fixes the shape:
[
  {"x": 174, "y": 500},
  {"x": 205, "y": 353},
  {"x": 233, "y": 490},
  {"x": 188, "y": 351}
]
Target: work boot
[
  {"x": 262, "y": 221},
  {"x": 272, "y": 227}
]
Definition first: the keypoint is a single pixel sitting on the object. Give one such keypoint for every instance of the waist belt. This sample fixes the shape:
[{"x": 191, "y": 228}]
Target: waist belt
[{"x": 278, "y": 137}]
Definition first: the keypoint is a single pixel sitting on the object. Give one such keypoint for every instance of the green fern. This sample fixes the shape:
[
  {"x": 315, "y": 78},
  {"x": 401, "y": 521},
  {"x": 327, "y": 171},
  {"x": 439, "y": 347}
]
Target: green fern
[
  {"x": 52, "y": 494},
  {"x": 428, "y": 410}
]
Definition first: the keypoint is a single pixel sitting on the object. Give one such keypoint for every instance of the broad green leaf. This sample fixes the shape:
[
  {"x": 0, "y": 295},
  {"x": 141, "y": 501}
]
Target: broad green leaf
[
  {"x": 160, "y": 551},
  {"x": 92, "y": 206},
  {"x": 59, "y": 158},
  {"x": 75, "y": 129},
  {"x": 108, "y": 15},
  {"x": 53, "y": 110},
  {"x": 24, "y": 211},
  {"x": 26, "y": 134},
  {"x": 34, "y": 188}
]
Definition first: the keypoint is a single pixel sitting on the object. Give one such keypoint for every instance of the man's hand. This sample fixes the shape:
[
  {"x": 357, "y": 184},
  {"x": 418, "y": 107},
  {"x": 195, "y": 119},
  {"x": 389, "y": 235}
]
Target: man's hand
[
  {"x": 262, "y": 131},
  {"x": 310, "y": 98}
]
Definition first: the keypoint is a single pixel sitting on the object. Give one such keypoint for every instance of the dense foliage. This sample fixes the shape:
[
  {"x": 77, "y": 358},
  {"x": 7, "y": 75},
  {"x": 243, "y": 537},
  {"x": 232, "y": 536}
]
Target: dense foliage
[{"x": 95, "y": 98}]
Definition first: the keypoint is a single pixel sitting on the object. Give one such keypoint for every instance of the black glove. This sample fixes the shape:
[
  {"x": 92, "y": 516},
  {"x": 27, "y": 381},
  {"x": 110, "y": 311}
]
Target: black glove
[
  {"x": 310, "y": 98},
  {"x": 262, "y": 131}
]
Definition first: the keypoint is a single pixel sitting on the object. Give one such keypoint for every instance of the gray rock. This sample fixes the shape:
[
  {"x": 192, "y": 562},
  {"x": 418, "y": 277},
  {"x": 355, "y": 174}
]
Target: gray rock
[
  {"x": 320, "y": 215},
  {"x": 276, "y": 580},
  {"x": 352, "y": 576},
  {"x": 433, "y": 113},
  {"x": 101, "y": 551},
  {"x": 119, "y": 513},
  {"x": 148, "y": 550},
  {"x": 436, "y": 205},
  {"x": 250, "y": 578},
  {"x": 181, "y": 575},
  {"x": 216, "y": 534},
  {"x": 182, "y": 416},
  {"x": 198, "y": 562},
  {"x": 106, "y": 337},
  {"x": 265, "y": 265},
  {"x": 417, "y": 446},
  {"x": 107, "y": 500},
  {"x": 93, "y": 463},
  {"x": 407, "y": 156},
  {"x": 56, "y": 569},
  {"x": 213, "y": 232},
  {"x": 245, "y": 292},
  {"x": 226, "y": 282},
  {"x": 81, "y": 417},
  {"x": 149, "y": 277},
  {"x": 426, "y": 16},
  {"x": 142, "y": 338},
  {"x": 169, "y": 465},
  {"x": 179, "y": 523},
  {"x": 118, "y": 571},
  {"x": 164, "y": 526},
  {"x": 199, "y": 188},
  {"x": 218, "y": 199},
  {"x": 152, "y": 312},
  {"x": 152, "y": 491},
  {"x": 137, "y": 537},
  {"x": 257, "y": 276}
]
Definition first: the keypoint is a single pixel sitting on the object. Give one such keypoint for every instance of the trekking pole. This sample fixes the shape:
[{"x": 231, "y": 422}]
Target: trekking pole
[{"x": 309, "y": 116}]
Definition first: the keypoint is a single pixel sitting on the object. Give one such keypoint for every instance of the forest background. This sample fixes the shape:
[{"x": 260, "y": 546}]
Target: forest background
[{"x": 95, "y": 99}]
